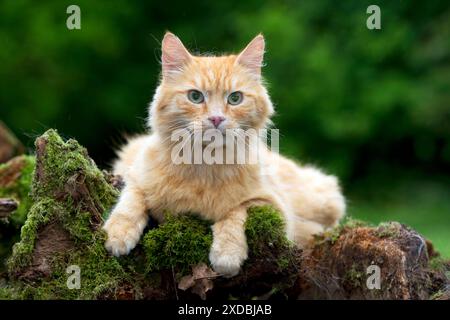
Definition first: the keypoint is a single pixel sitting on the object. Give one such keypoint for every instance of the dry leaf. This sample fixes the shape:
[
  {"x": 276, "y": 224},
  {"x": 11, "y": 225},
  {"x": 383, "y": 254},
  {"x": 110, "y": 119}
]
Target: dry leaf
[
  {"x": 200, "y": 280},
  {"x": 186, "y": 282}
]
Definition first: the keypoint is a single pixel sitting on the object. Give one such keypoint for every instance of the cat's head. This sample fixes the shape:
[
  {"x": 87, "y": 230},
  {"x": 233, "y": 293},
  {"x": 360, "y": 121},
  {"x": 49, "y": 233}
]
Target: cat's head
[{"x": 208, "y": 92}]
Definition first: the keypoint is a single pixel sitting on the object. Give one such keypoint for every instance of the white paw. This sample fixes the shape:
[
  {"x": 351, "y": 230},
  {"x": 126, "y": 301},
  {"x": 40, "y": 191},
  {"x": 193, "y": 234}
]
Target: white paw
[
  {"x": 227, "y": 264},
  {"x": 122, "y": 235}
]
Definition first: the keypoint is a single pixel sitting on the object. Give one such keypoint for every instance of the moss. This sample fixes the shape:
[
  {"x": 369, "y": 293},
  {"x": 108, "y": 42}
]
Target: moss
[
  {"x": 383, "y": 230},
  {"x": 438, "y": 264},
  {"x": 178, "y": 243},
  {"x": 387, "y": 230},
  {"x": 266, "y": 237},
  {"x": 15, "y": 182},
  {"x": 265, "y": 227},
  {"x": 183, "y": 241},
  {"x": 333, "y": 234},
  {"x": 59, "y": 166},
  {"x": 100, "y": 274},
  {"x": 437, "y": 295},
  {"x": 19, "y": 189},
  {"x": 69, "y": 190},
  {"x": 63, "y": 162},
  {"x": 40, "y": 214},
  {"x": 355, "y": 277},
  {"x": 8, "y": 292}
]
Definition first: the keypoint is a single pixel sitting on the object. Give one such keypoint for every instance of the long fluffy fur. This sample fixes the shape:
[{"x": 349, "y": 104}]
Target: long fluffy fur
[{"x": 309, "y": 200}]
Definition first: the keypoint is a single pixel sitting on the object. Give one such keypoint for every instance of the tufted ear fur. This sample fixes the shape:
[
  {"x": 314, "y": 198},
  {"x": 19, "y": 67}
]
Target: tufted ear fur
[
  {"x": 174, "y": 55},
  {"x": 252, "y": 56}
]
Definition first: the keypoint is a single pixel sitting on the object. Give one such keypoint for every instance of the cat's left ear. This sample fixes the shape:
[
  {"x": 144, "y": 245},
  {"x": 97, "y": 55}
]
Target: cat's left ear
[{"x": 252, "y": 56}]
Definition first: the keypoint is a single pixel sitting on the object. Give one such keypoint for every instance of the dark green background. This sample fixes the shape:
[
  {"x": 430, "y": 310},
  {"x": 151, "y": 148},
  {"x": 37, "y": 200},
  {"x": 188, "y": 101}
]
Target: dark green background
[{"x": 371, "y": 106}]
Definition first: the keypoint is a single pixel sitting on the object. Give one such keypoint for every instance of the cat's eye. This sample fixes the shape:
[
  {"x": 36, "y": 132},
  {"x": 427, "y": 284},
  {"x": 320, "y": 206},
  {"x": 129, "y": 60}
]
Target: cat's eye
[
  {"x": 235, "y": 98},
  {"x": 195, "y": 96}
]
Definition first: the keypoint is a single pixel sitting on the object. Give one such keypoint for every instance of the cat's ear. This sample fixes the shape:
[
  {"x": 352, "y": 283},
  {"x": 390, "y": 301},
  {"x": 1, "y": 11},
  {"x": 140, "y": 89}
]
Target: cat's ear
[
  {"x": 252, "y": 56},
  {"x": 174, "y": 54}
]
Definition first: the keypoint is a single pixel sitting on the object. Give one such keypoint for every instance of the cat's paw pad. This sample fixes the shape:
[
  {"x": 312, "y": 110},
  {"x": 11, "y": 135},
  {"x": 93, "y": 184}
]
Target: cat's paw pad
[
  {"x": 122, "y": 237},
  {"x": 118, "y": 247},
  {"x": 225, "y": 264}
]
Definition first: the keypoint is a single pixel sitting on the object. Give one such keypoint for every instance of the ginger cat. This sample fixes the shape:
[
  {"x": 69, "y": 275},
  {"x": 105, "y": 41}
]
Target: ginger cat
[{"x": 223, "y": 93}]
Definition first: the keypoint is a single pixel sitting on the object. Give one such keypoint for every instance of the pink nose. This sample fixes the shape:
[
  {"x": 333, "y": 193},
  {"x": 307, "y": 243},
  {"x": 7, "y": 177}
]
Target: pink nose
[{"x": 216, "y": 120}]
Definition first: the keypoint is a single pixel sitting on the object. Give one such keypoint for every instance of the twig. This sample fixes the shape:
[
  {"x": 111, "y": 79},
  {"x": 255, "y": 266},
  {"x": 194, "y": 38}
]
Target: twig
[{"x": 175, "y": 283}]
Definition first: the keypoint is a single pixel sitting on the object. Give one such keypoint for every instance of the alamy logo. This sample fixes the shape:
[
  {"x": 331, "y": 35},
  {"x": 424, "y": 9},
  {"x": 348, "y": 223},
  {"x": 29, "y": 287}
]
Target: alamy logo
[
  {"x": 74, "y": 278},
  {"x": 213, "y": 146},
  {"x": 374, "y": 279},
  {"x": 374, "y": 20},
  {"x": 74, "y": 20}
]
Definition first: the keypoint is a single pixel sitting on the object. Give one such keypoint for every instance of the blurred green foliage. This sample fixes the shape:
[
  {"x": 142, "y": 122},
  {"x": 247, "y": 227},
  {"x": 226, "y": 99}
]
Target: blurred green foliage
[{"x": 364, "y": 104}]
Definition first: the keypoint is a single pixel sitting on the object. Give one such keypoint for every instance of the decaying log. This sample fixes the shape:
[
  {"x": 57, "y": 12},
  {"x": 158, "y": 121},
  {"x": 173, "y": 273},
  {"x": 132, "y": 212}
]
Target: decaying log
[
  {"x": 340, "y": 268},
  {"x": 15, "y": 184},
  {"x": 71, "y": 197},
  {"x": 10, "y": 146}
]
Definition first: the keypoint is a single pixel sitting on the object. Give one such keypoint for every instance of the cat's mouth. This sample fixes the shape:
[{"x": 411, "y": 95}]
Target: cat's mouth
[{"x": 209, "y": 137}]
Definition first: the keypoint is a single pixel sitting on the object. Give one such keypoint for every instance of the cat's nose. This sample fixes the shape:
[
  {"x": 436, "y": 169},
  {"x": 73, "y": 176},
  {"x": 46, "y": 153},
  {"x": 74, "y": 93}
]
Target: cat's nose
[{"x": 216, "y": 120}]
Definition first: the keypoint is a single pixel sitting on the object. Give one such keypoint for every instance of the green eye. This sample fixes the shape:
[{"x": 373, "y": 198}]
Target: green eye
[
  {"x": 235, "y": 98},
  {"x": 195, "y": 96}
]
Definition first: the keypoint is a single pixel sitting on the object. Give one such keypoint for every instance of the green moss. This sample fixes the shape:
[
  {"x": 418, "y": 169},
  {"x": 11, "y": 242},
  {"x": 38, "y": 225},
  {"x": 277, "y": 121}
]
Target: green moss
[
  {"x": 70, "y": 190},
  {"x": 8, "y": 292},
  {"x": 62, "y": 167},
  {"x": 355, "y": 277},
  {"x": 15, "y": 176},
  {"x": 437, "y": 295},
  {"x": 265, "y": 228},
  {"x": 40, "y": 214},
  {"x": 388, "y": 230},
  {"x": 383, "y": 230},
  {"x": 100, "y": 274},
  {"x": 268, "y": 244},
  {"x": 440, "y": 265},
  {"x": 20, "y": 189},
  {"x": 183, "y": 241},
  {"x": 61, "y": 163},
  {"x": 178, "y": 243},
  {"x": 333, "y": 234}
]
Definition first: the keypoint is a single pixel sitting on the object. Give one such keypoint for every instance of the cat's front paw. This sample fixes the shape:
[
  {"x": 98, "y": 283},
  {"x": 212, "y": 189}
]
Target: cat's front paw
[
  {"x": 226, "y": 262},
  {"x": 122, "y": 235}
]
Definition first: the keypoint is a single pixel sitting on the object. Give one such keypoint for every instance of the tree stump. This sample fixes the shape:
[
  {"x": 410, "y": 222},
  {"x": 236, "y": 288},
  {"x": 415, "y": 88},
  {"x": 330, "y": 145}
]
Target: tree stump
[{"x": 71, "y": 197}]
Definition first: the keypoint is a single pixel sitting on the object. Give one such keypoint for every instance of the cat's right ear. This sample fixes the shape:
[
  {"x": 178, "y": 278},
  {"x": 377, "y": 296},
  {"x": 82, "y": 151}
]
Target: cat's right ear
[
  {"x": 252, "y": 56},
  {"x": 174, "y": 55}
]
